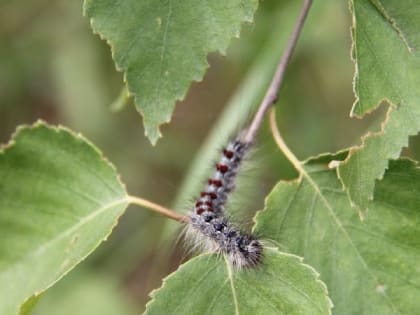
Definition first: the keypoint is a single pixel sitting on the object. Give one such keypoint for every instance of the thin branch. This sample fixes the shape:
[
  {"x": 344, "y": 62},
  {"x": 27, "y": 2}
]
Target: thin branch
[
  {"x": 158, "y": 208},
  {"x": 272, "y": 93}
]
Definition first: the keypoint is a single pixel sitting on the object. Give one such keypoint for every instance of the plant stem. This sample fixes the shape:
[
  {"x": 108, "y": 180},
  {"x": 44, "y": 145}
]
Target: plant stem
[
  {"x": 283, "y": 146},
  {"x": 272, "y": 93},
  {"x": 158, "y": 208}
]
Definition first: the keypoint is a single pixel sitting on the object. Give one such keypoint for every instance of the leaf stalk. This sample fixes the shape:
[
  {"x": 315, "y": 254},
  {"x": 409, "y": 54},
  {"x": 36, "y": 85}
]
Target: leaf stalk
[{"x": 158, "y": 208}]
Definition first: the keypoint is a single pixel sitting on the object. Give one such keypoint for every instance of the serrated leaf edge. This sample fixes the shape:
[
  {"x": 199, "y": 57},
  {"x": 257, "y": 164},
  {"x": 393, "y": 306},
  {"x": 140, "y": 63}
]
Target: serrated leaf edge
[
  {"x": 197, "y": 78},
  {"x": 334, "y": 217},
  {"x": 364, "y": 138},
  {"x": 368, "y": 135},
  {"x": 315, "y": 274},
  {"x": 353, "y": 57},
  {"x": 78, "y": 136},
  {"x": 39, "y": 123}
]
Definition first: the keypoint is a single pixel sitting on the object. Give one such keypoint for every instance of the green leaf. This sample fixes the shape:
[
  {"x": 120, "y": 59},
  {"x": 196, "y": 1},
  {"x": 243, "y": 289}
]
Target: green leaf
[
  {"x": 385, "y": 40},
  {"x": 162, "y": 46},
  {"x": 370, "y": 266},
  {"x": 59, "y": 198},
  {"x": 207, "y": 285}
]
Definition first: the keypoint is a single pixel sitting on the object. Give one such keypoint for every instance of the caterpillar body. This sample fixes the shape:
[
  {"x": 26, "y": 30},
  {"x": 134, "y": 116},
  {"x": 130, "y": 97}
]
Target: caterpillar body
[{"x": 208, "y": 220}]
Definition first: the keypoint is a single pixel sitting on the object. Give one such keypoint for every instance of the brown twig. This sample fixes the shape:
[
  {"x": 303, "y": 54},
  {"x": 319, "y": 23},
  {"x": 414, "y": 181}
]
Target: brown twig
[{"x": 272, "y": 93}]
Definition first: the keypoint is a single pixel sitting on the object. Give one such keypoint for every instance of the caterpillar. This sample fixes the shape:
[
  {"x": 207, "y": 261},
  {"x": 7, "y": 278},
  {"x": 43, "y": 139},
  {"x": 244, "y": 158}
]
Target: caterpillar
[{"x": 208, "y": 221}]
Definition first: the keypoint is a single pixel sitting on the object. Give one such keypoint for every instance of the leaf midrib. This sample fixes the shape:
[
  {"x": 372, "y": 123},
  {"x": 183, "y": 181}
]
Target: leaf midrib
[
  {"x": 23, "y": 260},
  {"x": 381, "y": 9},
  {"x": 343, "y": 230}
]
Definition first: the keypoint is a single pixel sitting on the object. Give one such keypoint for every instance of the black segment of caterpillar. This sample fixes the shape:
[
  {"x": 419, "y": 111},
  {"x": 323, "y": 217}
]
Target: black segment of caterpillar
[
  {"x": 216, "y": 233},
  {"x": 210, "y": 224}
]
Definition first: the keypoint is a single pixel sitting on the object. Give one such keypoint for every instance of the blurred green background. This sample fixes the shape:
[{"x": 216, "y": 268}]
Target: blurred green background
[{"x": 52, "y": 67}]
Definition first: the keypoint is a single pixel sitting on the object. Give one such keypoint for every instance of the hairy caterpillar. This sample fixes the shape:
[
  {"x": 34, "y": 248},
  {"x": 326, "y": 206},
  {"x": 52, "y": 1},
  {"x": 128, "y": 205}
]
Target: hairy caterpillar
[{"x": 208, "y": 220}]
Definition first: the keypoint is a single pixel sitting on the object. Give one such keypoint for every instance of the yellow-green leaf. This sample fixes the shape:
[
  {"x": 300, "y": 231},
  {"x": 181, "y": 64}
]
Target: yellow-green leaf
[{"x": 59, "y": 198}]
